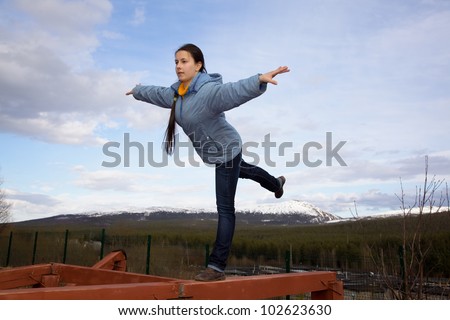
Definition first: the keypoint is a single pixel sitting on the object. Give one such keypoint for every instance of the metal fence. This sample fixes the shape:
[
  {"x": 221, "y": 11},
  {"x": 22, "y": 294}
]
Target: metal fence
[{"x": 184, "y": 260}]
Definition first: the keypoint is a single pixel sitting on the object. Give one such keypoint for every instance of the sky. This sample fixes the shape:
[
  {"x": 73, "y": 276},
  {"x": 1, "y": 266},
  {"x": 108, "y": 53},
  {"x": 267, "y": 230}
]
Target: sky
[{"x": 367, "y": 100}]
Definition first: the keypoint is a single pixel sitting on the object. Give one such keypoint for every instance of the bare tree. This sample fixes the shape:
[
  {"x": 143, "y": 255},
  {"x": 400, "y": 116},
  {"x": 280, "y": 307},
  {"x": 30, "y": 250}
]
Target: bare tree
[
  {"x": 415, "y": 241},
  {"x": 5, "y": 213}
]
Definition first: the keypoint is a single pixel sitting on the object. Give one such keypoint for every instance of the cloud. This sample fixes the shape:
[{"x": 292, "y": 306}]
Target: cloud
[
  {"x": 109, "y": 179},
  {"x": 376, "y": 76},
  {"x": 55, "y": 129},
  {"x": 65, "y": 27},
  {"x": 65, "y": 15},
  {"x": 58, "y": 105},
  {"x": 354, "y": 203},
  {"x": 372, "y": 183},
  {"x": 139, "y": 182},
  {"x": 50, "y": 88},
  {"x": 139, "y": 16},
  {"x": 418, "y": 41},
  {"x": 31, "y": 198}
]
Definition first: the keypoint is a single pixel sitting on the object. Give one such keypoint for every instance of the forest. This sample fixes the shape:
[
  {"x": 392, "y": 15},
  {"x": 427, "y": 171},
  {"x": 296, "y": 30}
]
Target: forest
[{"x": 180, "y": 244}]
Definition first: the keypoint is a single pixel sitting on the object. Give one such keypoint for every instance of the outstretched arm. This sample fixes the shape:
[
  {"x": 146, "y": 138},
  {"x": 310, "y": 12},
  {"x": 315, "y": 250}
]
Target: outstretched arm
[
  {"x": 160, "y": 96},
  {"x": 268, "y": 77},
  {"x": 233, "y": 94}
]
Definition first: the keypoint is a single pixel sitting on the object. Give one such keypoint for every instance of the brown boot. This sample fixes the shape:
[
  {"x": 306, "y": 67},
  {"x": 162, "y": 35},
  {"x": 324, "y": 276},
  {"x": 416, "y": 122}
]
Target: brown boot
[
  {"x": 210, "y": 274},
  {"x": 280, "y": 192}
]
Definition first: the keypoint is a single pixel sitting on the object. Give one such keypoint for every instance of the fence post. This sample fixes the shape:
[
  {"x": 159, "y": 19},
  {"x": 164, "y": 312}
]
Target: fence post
[
  {"x": 9, "y": 248},
  {"x": 287, "y": 260},
  {"x": 103, "y": 244},
  {"x": 35, "y": 247},
  {"x": 206, "y": 255},
  {"x": 65, "y": 246},
  {"x": 149, "y": 242},
  {"x": 404, "y": 284}
]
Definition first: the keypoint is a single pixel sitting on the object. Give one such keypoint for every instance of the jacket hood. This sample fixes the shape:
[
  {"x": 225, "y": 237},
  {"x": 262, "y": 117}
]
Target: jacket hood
[{"x": 199, "y": 80}]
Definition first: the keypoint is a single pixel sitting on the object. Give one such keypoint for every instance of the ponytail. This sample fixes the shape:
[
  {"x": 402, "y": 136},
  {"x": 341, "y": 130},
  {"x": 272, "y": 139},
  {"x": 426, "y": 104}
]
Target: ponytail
[{"x": 169, "y": 138}]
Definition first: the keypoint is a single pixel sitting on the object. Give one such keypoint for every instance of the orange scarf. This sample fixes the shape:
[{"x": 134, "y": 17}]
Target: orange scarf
[{"x": 182, "y": 90}]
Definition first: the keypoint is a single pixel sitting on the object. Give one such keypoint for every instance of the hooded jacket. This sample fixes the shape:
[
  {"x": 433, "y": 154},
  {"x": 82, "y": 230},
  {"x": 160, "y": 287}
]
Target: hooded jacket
[{"x": 200, "y": 112}]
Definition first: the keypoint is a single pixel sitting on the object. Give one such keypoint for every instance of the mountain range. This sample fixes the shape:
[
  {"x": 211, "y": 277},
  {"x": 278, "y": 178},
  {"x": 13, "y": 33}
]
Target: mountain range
[{"x": 283, "y": 213}]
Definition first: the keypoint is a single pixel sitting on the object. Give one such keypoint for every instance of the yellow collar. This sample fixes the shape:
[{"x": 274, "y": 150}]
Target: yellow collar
[{"x": 182, "y": 90}]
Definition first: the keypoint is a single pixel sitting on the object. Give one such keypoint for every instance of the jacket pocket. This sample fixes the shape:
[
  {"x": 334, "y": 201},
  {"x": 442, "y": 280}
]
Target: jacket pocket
[{"x": 208, "y": 148}]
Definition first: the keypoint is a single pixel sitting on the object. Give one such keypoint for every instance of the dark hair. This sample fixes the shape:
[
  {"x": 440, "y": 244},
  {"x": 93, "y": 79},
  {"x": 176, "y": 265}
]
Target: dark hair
[{"x": 169, "y": 139}]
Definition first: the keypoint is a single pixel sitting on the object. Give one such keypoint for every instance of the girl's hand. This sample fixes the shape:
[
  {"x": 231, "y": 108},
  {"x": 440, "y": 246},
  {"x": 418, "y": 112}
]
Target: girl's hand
[
  {"x": 268, "y": 77},
  {"x": 131, "y": 91}
]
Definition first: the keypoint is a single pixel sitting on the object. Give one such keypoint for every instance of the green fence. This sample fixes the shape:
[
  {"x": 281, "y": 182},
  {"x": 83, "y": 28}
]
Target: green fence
[
  {"x": 24, "y": 248},
  {"x": 181, "y": 259}
]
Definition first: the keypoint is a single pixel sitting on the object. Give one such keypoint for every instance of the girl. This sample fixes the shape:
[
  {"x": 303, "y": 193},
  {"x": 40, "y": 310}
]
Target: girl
[{"x": 197, "y": 102}]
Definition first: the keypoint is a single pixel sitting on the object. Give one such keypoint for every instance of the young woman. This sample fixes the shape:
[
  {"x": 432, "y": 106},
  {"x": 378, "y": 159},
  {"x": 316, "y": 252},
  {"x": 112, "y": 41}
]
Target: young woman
[{"x": 198, "y": 101}]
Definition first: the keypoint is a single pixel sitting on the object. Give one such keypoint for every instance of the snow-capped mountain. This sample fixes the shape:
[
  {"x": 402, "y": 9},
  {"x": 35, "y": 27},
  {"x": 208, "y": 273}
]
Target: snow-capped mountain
[
  {"x": 294, "y": 208},
  {"x": 290, "y": 212}
]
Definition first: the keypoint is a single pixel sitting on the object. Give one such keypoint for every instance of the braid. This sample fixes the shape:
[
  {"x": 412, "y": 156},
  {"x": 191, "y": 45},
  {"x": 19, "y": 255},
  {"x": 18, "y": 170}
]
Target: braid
[{"x": 171, "y": 126}]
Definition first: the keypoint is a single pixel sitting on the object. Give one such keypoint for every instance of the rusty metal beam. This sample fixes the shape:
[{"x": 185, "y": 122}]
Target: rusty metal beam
[
  {"x": 106, "y": 280},
  {"x": 116, "y": 260},
  {"x": 23, "y": 276},
  {"x": 263, "y": 287},
  {"x": 235, "y": 288},
  {"x": 133, "y": 291},
  {"x": 335, "y": 291},
  {"x": 83, "y": 276}
]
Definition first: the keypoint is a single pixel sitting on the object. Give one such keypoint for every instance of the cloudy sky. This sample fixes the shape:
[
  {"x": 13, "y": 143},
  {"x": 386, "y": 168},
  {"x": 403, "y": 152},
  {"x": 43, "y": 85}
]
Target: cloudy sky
[{"x": 366, "y": 100}]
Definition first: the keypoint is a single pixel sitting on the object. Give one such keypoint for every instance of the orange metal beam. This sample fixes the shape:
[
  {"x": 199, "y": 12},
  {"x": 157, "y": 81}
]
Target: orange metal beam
[
  {"x": 116, "y": 260},
  {"x": 106, "y": 280},
  {"x": 34, "y": 274},
  {"x": 23, "y": 276},
  {"x": 133, "y": 291},
  {"x": 263, "y": 287},
  {"x": 84, "y": 276},
  {"x": 236, "y": 288},
  {"x": 335, "y": 291}
]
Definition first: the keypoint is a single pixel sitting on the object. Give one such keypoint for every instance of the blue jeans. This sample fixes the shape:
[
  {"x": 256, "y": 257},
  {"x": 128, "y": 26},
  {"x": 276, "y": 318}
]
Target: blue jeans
[{"x": 227, "y": 175}]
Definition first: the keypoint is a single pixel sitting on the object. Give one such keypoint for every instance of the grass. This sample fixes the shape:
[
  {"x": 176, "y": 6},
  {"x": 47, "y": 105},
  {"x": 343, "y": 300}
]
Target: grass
[{"x": 178, "y": 246}]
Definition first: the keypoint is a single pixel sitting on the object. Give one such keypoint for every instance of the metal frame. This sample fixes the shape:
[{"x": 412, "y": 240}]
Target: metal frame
[{"x": 108, "y": 280}]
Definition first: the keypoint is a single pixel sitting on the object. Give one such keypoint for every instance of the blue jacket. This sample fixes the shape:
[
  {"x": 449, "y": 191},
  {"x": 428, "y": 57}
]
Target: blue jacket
[{"x": 201, "y": 111}]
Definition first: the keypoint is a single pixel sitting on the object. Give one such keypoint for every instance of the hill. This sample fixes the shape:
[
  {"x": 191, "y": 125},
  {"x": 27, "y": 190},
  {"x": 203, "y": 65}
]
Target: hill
[{"x": 284, "y": 213}]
